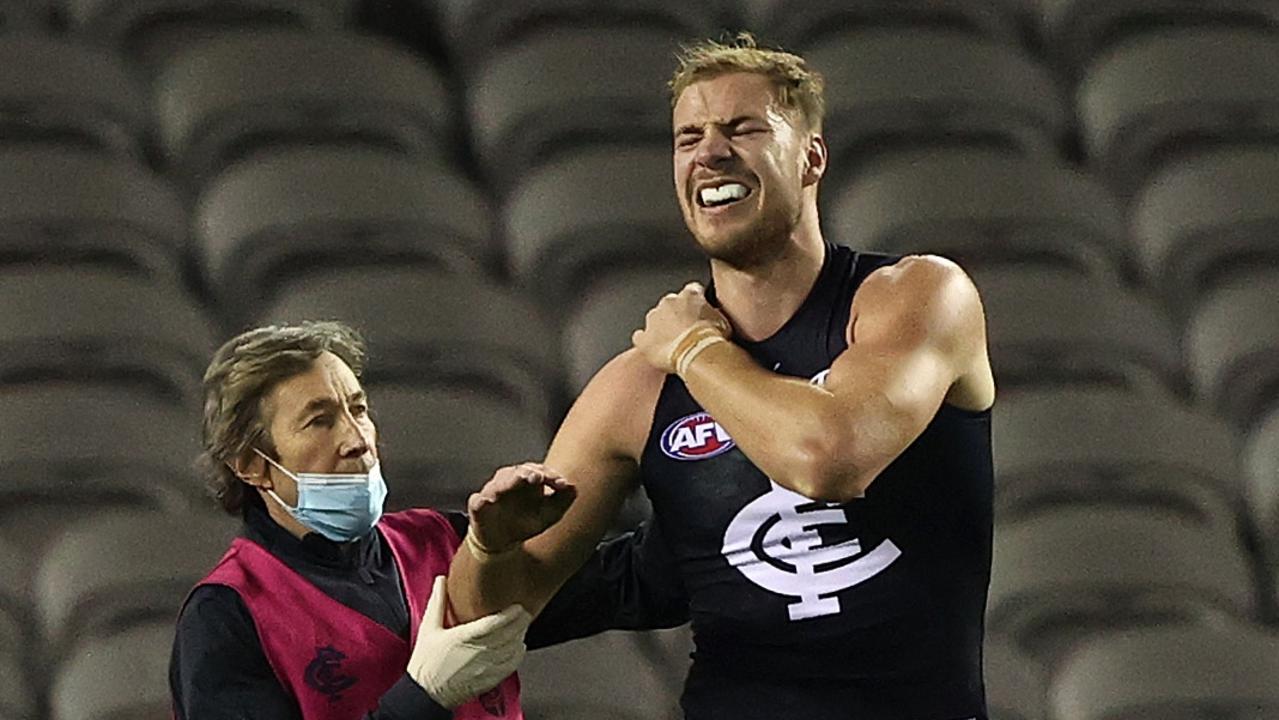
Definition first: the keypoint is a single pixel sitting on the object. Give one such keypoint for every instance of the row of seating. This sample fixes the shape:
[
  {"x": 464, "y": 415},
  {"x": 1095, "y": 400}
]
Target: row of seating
[{"x": 562, "y": 86}]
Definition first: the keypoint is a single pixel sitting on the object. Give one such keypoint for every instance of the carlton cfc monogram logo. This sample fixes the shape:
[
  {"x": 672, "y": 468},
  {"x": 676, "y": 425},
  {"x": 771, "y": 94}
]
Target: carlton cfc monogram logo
[
  {"x": 695, "y": 437},
  {"x": 773, "y": 541}
]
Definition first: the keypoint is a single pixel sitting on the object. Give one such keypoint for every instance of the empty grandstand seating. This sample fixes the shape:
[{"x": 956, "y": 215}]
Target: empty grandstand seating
[
  {"x": 1063, "y": 576},
  {"x": 980, "y": 208},
  {"x": 1205, "y": 218},
  {"x": 432, "y": 328},
  {"x": 275, "y": 219},
  {"x": 1050, "y": 327},
  {"x": 1232, "y": 347},
  {"x": 70, "y": 207},
  {"x": 116, "y": 677},
  {"x": 102, "y": 326},
  {"x": 589, "y": 212},
  {"x": 17, "y": 702},
  {"x": 1090, "y": 447},
  {"x": 1165, "y": 94},
  {"x": 440, "y": 443},
  {"x": 565, "y": 87},
  {"x": 799, "y": 27},
  {"x": 612, "y": 678},
  {"x": 60, "y": 92},
  {"x": 893, "y": 90},
  {"x": 117, "y": 570},
  {"x": 1261, "y": 468},
  {"x": 1016, "y": 684},
  {"x": 1174, "y": 672},
  {"x": 22, "y": 17},
  {"x": 226, "y": 99}
]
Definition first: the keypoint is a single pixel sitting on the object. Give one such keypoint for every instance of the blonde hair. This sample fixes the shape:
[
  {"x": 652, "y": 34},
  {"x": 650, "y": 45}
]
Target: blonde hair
[
  {"x": 242, "y": 372},
  {"x": 799, "y": 87}
]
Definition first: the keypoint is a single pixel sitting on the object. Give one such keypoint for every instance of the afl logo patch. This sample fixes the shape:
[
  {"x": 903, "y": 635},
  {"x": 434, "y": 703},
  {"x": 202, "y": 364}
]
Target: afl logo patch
[{"x": 695, "y": 437}]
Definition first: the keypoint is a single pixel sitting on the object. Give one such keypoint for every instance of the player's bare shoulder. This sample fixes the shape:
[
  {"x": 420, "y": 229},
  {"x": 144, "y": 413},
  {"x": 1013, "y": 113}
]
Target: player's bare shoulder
[{"x": 929, "y": 290}]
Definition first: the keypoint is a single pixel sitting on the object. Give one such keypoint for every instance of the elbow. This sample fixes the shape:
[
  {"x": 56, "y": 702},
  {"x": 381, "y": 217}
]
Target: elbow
[{"x": 827, "y": 469}]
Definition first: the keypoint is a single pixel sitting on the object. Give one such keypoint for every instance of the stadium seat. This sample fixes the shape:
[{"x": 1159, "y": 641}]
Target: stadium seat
[
  {"x": 591, "y": 211},
  {"x": 1232, "y": 347},
  {"x": 69, "y": 207},
  {"x": 890, "y": 91},
  {"x": 57, "y": 92},
  {"x": 253, "y": 91},
  {"x": 1205, "y": 217},
  {"x": 565, "y": 87},
  {"x": 1175, "y": 92},
  {"x": 1016, "y": 684},
  {"x": 119, "y": 569},
  {"x": 980, "y": 208},
  {"x": 17, "y": 700},
  {"x": 15, "y": 599},
  {"x": 474, "y": 29},
  {"x": 1180, "y": 673},
  {"x": 1063, "y": 576},
  {"x": 276, "y": 219},
  {"x": 122, "y": 676},
  {"x": 612, "y": 678},
  {"x": 1075, "y": 32},
  {"x": 1106, "y": 447},
  {"x": 97, "y": 326},
  {"x": 612, "y": 307},
  {"x": 70, "y": 448},
  {"x": 1261, "y": 472},
  {"x": 798, "y": 27},
  {"x": 440, "y": 443},
  {"x": 1054, "y": 328},
  {"x": 427, "y": 328},
  {"x": 151, "y": 31}
]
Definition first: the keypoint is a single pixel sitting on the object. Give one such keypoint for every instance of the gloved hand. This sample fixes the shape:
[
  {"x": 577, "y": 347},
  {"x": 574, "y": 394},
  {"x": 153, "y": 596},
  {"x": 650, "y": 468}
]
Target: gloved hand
[{"x": 456, "y": 664}]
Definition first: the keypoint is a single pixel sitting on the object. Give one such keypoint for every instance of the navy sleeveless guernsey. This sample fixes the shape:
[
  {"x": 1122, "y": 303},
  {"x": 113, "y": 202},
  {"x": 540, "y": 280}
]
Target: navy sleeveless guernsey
[{"x": 869, "y": 610}]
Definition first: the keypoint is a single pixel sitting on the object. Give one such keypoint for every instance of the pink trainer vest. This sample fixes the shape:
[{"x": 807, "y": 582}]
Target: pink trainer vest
[{"x": 335, "y": 661}]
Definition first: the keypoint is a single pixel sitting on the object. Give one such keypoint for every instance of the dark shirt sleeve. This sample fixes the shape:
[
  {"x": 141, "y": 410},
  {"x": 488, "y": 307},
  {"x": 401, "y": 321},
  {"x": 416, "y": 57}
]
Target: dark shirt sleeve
[
  {"x": 630, "y": 583},
  {"x": 218, "y": 670}
]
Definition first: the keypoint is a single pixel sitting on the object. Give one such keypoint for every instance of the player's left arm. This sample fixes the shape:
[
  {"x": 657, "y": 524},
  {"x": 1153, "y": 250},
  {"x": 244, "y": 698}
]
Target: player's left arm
[{"x": 917, "y": 331}]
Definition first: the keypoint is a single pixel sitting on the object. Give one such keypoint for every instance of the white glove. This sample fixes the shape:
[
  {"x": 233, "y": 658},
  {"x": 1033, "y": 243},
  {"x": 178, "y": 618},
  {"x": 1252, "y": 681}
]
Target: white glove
[{"x": 456, "y": 664}]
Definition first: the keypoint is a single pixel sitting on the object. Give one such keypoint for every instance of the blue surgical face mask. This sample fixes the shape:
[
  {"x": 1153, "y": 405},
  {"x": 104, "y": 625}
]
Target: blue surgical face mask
[{"x": 340, "y": 506}]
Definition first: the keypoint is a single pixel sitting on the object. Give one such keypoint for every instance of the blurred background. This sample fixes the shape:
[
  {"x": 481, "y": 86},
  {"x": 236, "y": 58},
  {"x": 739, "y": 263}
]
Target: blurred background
[{"x": 483, "y": 187}]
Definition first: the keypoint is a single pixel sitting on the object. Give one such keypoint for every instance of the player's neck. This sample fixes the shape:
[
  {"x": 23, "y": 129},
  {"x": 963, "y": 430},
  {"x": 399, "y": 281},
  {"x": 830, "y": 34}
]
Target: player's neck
[{"x": 760, "y": 299}]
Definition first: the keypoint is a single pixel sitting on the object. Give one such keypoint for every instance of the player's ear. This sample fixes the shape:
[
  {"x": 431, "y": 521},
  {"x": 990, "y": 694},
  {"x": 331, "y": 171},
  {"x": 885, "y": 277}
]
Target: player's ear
[{"x": 815, "y": 157}]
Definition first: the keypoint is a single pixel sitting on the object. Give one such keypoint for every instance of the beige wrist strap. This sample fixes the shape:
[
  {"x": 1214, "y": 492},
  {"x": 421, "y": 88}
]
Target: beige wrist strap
[
  {"x": 691, "y": 344},
  {"x": 484, "y": 554}
]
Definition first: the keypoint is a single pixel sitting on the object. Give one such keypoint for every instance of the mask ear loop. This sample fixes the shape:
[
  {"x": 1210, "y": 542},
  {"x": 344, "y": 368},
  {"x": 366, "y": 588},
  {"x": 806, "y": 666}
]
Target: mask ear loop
[{"x": 271, "y": 491}]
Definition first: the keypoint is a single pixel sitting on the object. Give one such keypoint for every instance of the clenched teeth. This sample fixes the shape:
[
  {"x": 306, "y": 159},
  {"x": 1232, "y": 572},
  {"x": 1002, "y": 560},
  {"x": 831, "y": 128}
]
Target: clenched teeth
[{"x": 726, "y": 193}]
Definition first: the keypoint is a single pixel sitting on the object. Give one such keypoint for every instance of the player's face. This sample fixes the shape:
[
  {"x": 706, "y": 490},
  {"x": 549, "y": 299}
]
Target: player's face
[
  {"x": 739, "y": 165},
  {"x": 319, "y": 421}
]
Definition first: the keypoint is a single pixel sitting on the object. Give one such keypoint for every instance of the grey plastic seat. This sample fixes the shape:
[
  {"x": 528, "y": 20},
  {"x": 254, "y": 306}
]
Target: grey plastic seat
[
  {"x": 101, "y": 326},
  {"x": 151, "y": 31},
  {"x": 1184, "y": 673},
  {"x": 893, "y": 90},
  {"x": 124, "y": 568},
  {"x": 980, "y": 208},
  {"x": 1076, "y": 32},
  {"x": 611, "y": 308},
  {"x": 1016, "y": 684},
  {"x": 616, "y": 680},
  {"x": 70, "y": 207},
  {"x": 1232, "y": 346},
  {"x": 116, "y": 677},
  {"x": 565, "y": 87},
  {"x": 1049, "y": 327},
  {"x": 1166, "y": 94},
  {"x": 590, "y": 211},
  {"x": 225, "y": 99},
  {"x": 430, "y": 328},
  {"x": 797, "y": 27},
  {"x": 1092, "y": 447},
  {"x": 59, "y": 92},
  {"x": 439, "y": 443},
  {"x": 17, "y": 699},
  {"x": 1060, "y": 577},
  {"x": 474, "y": 29},
  {"x": 1261, "y": 472},
  {"x": 1205, "y": 217},
  {"x": 280, "y": 216}
]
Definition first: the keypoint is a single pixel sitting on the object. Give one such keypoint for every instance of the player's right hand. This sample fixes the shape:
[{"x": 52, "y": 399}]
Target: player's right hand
[{"x": 519, "y": 502}]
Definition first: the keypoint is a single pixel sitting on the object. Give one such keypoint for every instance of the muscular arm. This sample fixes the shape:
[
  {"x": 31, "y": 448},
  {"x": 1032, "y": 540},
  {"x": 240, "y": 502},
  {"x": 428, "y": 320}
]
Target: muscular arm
[
  {"x": 917, "y": 329},
  {"x": 597, "y": 450}
]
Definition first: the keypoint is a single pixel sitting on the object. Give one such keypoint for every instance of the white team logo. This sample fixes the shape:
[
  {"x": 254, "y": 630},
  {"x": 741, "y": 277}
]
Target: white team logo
[{"x": 774, "y": 543}]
